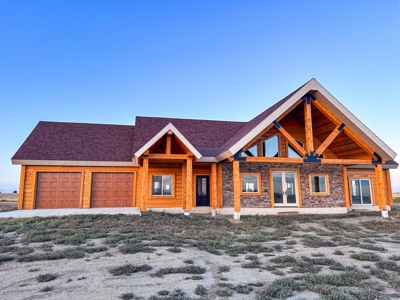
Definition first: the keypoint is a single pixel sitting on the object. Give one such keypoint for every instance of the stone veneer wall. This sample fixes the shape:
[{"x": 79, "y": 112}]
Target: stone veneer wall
[{"x": 335, "y": 199}]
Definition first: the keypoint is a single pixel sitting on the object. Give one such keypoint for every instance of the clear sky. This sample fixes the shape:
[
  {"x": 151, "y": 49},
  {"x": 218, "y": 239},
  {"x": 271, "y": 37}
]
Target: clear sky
[{"x": 109, "y": 61}]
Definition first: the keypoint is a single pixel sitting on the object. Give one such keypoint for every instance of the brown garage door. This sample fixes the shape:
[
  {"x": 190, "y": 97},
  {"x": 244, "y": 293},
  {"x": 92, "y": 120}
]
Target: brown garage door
[
  {"x": 112, "y": 190},
  {"x": 58, "y": 190}
]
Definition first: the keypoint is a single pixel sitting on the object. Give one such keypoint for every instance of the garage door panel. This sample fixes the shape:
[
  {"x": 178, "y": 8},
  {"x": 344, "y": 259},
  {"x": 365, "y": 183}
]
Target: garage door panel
[
  {"x": 58, "y": 190},
  {"x": 112, "y": 189}
]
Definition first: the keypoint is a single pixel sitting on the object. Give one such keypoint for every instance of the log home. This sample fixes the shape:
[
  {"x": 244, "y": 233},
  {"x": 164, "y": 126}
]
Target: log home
[{"x": 305, "y": 154}]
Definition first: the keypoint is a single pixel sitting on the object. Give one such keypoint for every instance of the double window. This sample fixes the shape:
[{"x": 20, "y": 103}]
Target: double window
[
  {"x": 269, "y": 148},
  {"x": 251, "y": 184},
  {"x": 319, "y": 185},
  {"x": 162, "y": 185},
  {"x": 360, "y": 191}
]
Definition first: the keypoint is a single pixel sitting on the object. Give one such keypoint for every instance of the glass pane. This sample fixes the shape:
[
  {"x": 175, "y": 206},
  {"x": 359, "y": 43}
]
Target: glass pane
[
  {"x": 293, "y": 153},
  {"x": 318, "y": 184},
  {"x": 249, "y": 183},
  {"x": 355, "y": 191},
  {"x": 277, "y": 182},
  {"x": 156, "y": 184},
  {"x": 290, "y": 187},
  {"x": 251, "y": 151},
  {"x": 365, "y": 192},
  {"x": 271, "y": 147},
  {"x": 167, "y": 185},
  {"x": 201, "y": 186}
]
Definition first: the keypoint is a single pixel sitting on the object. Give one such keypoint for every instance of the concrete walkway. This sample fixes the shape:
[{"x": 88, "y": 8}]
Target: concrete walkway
[{"x": 69, "y": 211}]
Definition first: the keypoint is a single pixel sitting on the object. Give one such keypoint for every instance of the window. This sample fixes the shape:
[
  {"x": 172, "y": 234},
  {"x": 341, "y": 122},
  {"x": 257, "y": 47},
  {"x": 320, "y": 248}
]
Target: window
[
  {"x": 293, "y": 153},
  {"x": 251, "y": 151},
  {"x": 250, "y": 184},
  {"x": 360, "y": 191},
  {"x": 271, "y": 147},
  {"x": 319, "y": 185},
  {"x": 161, "y": 185}
]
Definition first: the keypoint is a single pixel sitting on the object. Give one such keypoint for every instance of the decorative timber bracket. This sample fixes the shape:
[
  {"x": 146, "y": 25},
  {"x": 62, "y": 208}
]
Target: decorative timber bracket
[
  {"x": 312, "y": 157},
  {"x": 378, "y": 160},
  {"x": 308, "y": 98},
  {"x": 237, "y": 156}
]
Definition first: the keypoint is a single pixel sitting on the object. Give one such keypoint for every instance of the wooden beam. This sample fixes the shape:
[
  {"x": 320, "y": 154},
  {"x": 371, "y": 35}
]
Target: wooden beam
[
  {"x": 21, "y": 187},
  {"x": 139, "y": 184},
  {"x": 167, "y": 156},
  {"x": 168, "y": 144},
  {"x": 329, "y": 139},
  {"x": 322, "y": 108},
  {"x": 308, "y": 127},
  {"x": 275, "y": 160},
  {"x": 290, "y": 139},
  {"x": 189, "y": 187},
  {"x": 380, "y": 187},
  {"x": 184, "y": 181},
  {"x": 346, "y": 161},
  {"x": 346, "y": 188},
  {"x": 214, "y": 189},
  {"x": 389, "y": 194},
  {"x": 219, "y": 185},
  {"x": 236, "y": 186},
  {"x": 145, "y": 184}
]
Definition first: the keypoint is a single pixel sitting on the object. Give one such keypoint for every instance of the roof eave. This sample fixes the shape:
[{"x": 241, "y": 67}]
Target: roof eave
[{"x": 32, "y": 162}]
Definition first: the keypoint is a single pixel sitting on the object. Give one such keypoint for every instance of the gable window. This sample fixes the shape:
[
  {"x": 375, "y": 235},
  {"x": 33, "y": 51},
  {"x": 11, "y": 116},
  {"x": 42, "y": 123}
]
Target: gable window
[
  {"x": 271, "y": 147},
  {"x": 161, "y": 185},
  {"x": 319, "y": 185},
  {"x": 251, "y": 184},
  {"x": 251, "y": 151},
  {"x": 293, "y": 153}
]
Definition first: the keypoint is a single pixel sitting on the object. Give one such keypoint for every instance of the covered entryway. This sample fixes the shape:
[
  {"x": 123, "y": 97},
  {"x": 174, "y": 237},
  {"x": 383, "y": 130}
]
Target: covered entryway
[
  {"x": 58, "y": 190},
  {"x": 112, "y": 189}
]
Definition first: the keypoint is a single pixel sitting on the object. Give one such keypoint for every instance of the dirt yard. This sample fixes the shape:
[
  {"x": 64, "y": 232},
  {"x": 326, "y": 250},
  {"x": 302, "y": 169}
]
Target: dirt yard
[
  {"x": 8, "y": 201},
  {"x": 162, "y": 256}
]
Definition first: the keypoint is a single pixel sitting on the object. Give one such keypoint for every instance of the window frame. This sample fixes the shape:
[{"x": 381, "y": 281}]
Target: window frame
[
  {"x": 258, "y": 184},
  {"x": 264, "y": 148},
  {"x": 328, "y": 191},
  {"x": 172, "y": 185},
  {"x": 370, "y": 190}
]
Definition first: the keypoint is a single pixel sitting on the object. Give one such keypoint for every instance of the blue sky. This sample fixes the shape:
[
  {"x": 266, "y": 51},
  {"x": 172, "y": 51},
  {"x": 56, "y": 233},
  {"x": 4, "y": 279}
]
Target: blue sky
[{"x": 109, "y": 61}]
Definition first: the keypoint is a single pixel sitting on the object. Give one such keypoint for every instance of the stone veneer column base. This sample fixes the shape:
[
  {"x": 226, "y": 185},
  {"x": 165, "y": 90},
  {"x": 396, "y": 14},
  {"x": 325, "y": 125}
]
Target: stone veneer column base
[{"x": 275, "y": 211}]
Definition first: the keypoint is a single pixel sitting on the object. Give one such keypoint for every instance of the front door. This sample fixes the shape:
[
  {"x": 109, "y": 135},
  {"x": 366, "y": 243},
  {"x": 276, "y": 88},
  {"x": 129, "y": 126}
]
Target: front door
[
  {"x": 202, "y": 191},
  {"x": 285, "y": 188}
]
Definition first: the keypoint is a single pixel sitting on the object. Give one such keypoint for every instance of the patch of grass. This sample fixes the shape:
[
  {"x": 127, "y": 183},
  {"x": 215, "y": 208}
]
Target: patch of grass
[
  {"x": 371, "y": 247},
  {"x": 4, "y": 258},
  {"x": 305, "y": 267},
  {"x": 174, "y": 250},
  {"x": 46, "y": 247},
  {"x": 388, "y": 265},
  {"x": 163, "y": 293},
  {"x": 224, "y": 292},
  {"x": 381, "y": 226},
  {"x": 280, "y": 288},
  {"x": 96, "y": 249},
  {"x": 338, "y": 252},
  {"x": 291, "y": 242},
  {"x": 366, "y": 256},
  {"x": 224, "y": 268},
  {"x": 394, "y": 257},
  {"x": 68, "y": 253},
  {"x": 319, "y": 254},
  {"x": 33, "y": 270},
  {"x": 333, "y": 265},
  {"x": 46, "y": 289},
  {"x": 278, "y": 273},
  {"x": 127, "y": 296},
  {"x": 135, "y": 248},
  {"x": 189, "y": 261},
  {"x": 197, "y": 277},
  {"x": 46, "y": 277},
  {"x": 6, "y": 241},
  {"x": 23, "y": 250},
  {"x": 251, "y": 257},
  {"x": 251, "y": 264},
  {"x": 128, "y": 269},
  {"x": 346, "y": 278},
  {"x": 200, "y": 290},
  {"x": 243, "y": 289},
  {"x": 285, "y": 259},
  {"x": 185, "y": 270},
  {"x": 316, "y": 242}
]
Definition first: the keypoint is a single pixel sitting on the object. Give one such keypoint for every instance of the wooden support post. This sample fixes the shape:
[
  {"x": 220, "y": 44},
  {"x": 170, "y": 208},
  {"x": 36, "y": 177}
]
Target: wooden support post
[
  {"x": 236, "y": 186},
  {"x": 329, "y": 139},
  {"x": 184, "y": 175},
  {"x": 308, "y": 126},
  {"x": 219, "y": 186},
  {"x": 214, "y": 196},
  {"x": 145, "y": 184},
  {"x": 380, "y": 187},
  {"x": 389, "y": 193},
  {"x": 291, "y": 140},
  {"x": 189, "y": 188},
  {"x": 346, "y": 188},
  {"x": 21, "y": 187},
  {"x": 168, "y": 144}
]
